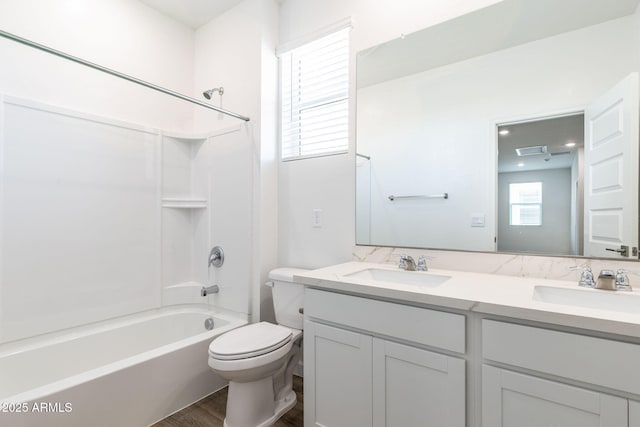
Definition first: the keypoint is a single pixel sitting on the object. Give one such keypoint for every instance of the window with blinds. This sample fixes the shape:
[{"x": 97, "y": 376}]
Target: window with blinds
[
  {"x": 525, "y": 203},
  {"x": 314, "y": 82}
]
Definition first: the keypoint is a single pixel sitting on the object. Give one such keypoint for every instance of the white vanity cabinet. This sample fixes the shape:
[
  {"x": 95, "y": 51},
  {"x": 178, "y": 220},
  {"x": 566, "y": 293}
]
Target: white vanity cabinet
[
  {"x": 382, "y": 348},
  {"x": 512, "y": 399},
  {"x": 365, "y": 364}
]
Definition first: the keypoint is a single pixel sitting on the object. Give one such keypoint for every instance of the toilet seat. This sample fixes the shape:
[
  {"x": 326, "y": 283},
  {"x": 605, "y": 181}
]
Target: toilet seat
[{"x": 250, "y": 341}]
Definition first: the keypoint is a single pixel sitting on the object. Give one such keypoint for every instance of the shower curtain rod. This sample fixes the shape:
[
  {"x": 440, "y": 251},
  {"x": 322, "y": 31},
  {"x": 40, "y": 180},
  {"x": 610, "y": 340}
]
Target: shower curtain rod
[{"x": 118, "y": 74}]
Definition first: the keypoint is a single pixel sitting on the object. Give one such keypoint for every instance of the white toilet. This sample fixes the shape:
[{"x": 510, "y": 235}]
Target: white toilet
[{"x": 259, "y": 359}]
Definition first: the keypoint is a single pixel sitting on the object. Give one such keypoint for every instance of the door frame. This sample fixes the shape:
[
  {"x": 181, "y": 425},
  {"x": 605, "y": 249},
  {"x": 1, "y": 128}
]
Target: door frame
[{"x": 519, "y": 119}]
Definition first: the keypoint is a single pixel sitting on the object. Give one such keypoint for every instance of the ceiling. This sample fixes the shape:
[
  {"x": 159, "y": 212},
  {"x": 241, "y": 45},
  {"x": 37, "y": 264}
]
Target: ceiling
[
  {"x": 553, "y": 133},
  {"x": 503, "y": 25},
  {"x": 193, "y": 13}
]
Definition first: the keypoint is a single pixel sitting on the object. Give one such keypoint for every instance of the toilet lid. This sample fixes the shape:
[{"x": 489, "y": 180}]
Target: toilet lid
[{"x": 250, "y": 341}]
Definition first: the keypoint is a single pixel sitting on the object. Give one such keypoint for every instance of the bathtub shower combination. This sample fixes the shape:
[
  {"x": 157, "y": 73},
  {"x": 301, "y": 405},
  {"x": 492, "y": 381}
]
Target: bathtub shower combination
[
  {"x": 131, "y": 371},
  {"x": 105, "y": 227}
]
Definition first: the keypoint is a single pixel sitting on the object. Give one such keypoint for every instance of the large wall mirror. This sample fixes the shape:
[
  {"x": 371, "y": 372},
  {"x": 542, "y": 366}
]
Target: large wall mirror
[{"x": 510, "y": 129}]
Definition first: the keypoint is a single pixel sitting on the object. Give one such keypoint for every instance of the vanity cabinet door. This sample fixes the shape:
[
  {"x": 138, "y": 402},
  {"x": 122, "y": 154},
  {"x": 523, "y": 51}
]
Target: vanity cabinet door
[
  {"x": 415, "y": 387},
  {"x": 337, "y": 377},
  {"x": 510, "y": 399}
]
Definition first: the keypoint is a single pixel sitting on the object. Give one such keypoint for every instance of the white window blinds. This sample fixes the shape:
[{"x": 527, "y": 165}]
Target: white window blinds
[{"x": 314, "y": 82}]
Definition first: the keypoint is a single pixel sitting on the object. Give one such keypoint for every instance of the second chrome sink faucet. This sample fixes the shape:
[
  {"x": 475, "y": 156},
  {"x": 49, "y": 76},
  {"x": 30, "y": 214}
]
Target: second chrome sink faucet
[{"x": 607, "y": 279}]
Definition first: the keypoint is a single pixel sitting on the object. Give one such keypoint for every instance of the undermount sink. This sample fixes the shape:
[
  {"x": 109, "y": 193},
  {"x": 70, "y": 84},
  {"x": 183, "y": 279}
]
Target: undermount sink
[
  {"x": 404, "y": 277},
  {"x": 622, "y": 302}
]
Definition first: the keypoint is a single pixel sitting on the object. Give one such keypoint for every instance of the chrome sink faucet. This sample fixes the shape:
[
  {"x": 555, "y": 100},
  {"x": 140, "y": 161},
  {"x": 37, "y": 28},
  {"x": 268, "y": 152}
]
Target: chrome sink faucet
[
  {"x": 607, "y": 279},
  {"x": 618, "y": 281},
  {"x": 409, "y": 264}
]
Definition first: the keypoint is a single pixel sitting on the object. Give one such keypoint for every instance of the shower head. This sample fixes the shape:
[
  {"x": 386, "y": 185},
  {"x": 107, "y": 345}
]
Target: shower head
[{"x": 207, "y": 94}]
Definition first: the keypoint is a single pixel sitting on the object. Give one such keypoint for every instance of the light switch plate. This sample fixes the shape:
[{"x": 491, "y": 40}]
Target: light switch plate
[
  {"x": 477, "y": 220},
  {"x": 316, "y": 218}
]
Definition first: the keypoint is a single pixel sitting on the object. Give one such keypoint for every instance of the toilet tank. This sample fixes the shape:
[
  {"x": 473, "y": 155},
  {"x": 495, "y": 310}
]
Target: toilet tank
[{"x": 287, "y": 297}]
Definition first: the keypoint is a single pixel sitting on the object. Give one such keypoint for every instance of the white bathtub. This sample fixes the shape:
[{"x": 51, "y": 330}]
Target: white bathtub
[{"x": 130, "y": 371}]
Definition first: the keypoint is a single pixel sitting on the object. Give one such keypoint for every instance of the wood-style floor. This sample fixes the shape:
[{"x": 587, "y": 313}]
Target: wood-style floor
[{"x": 209, "y": 412}]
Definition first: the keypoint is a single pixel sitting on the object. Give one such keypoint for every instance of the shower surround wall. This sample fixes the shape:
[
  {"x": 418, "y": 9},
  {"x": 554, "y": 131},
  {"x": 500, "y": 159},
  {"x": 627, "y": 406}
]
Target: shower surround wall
[
  {"x": 236, "y": 50},
  {"x": 80, "y": 224},
  {"x": 116, "y": 210},
  {"x": 83, "y": 189},
  {"x": 207, "y": 196},
  {"x": 106, "y": 234}
]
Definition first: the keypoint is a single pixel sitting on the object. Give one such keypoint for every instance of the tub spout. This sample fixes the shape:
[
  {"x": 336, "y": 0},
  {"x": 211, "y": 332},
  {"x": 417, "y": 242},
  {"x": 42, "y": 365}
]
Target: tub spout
[{"x": 213, "y": 289}]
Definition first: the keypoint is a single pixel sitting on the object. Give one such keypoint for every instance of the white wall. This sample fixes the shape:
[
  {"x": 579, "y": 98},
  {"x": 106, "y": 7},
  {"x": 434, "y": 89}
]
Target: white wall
[
  {"x": 434, "y": 132},
  {"x": 430, "y": 135},
  {"x": 230, "y": 189},
  {"x": 124, "y": 35},
  {"x": 227, "y": 53},
  {"x": 363, "y": 200},
  {"x": 554, "y": 235},
  {"x": 237, "y": 51},
  {"x": 267, "y": 205}
]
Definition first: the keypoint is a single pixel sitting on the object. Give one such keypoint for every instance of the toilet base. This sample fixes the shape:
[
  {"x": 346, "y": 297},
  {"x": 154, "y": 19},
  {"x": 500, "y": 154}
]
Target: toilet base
[
  {"x": 281, "y": 407},
  {"x": 256, "y": 401}
]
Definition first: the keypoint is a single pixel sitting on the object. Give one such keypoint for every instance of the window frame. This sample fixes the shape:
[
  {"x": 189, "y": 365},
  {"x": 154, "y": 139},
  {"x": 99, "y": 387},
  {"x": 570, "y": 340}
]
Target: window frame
[
  {"x": 525, "y": 204},
  {"x": 296, "y": 109}
]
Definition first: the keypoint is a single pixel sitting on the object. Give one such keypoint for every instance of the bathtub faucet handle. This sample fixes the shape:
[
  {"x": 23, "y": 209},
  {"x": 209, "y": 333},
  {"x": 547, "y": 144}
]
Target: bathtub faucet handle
[
  {"x": 213, "y": 289},
  {"x": 216, "y": 257}
]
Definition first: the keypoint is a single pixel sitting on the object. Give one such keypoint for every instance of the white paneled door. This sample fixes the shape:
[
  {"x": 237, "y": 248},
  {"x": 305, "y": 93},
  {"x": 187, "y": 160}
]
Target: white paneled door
[
  {"x": 413, "y": 387},
  {"x": 611, "y": 170},
  {"x": 510, "y": 399},
  {"x": 338, "y": 391}
]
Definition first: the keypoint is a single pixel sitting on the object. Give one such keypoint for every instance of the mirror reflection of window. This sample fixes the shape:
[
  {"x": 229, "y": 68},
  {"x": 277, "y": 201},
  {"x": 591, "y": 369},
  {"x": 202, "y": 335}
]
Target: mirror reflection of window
[{"x": 525, "y": 203}]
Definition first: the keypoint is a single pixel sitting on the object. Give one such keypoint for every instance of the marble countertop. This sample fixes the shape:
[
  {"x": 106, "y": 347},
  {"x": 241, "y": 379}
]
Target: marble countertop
[{"x": 489, "y": 294}]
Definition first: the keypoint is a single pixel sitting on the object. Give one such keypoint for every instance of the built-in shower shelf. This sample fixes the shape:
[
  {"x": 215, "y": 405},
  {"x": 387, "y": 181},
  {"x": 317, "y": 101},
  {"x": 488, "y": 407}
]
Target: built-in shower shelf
[{"x": 184, "y": 203}]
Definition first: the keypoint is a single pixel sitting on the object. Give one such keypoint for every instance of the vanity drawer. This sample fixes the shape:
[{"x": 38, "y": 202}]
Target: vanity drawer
[
  {"x": 599, "y": 361},
  {"x": 419, "y": 325}
]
